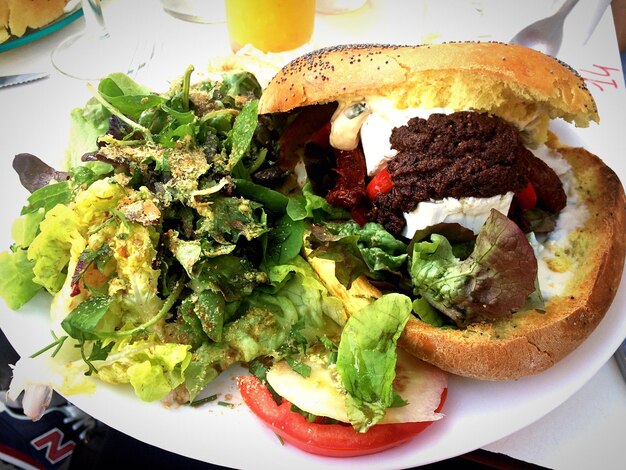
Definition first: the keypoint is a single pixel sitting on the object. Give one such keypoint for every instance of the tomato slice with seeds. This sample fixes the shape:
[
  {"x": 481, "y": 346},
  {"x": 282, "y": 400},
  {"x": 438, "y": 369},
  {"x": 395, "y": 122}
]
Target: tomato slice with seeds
[{"x": 331, "y": 440}]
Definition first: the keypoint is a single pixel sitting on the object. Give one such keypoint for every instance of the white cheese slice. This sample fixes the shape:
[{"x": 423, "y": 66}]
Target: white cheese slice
[
  {"x": 417, "y": 382},
  {"x": 573, "y": 216},
  {"x": 469, "y": 212}
]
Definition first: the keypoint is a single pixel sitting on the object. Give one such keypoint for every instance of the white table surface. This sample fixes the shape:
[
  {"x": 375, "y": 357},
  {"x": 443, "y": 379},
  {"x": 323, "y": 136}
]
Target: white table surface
[{"x": 588, "y": 429}]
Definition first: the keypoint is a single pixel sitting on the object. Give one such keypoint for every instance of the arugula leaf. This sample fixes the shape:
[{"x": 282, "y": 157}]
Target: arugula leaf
[
  {"x": 226, "y": 219},
  {"x": 99, "y": 352}
]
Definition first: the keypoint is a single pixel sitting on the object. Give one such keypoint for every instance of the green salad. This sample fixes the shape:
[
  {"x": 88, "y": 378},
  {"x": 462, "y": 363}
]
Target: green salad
[{"x": 170, "y": 252}]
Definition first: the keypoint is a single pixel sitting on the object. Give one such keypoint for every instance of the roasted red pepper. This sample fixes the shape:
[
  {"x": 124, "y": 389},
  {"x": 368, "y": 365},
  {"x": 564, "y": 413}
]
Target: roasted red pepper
[
  {"x": 380, "y": 184},
  {"x": 527, "y": 198}
]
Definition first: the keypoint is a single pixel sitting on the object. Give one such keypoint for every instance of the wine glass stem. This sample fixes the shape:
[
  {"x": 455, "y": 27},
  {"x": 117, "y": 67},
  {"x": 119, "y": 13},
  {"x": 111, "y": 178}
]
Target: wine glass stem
[{"x": 92, "y": 10}]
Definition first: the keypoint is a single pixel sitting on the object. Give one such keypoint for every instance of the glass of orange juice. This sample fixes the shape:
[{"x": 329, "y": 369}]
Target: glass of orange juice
[{"x": 270, "y": 25}]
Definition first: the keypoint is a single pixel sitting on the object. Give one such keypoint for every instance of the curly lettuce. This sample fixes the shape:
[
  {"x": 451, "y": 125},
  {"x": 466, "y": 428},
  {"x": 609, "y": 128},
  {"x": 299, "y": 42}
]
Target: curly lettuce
[{"x": 495, "y": 280}]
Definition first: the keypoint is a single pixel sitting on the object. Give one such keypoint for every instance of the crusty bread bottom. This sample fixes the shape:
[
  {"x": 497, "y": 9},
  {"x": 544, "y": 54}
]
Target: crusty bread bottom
[{"x": 530, "y": 342}]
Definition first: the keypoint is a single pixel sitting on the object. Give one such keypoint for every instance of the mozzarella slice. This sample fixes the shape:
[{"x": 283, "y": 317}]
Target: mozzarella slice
[
  {"x": 375, "y": 134},
  {"x": 321, "y": 393},
  {"x": 376, "y": 130},
  {"x": 469, "y": 212}
]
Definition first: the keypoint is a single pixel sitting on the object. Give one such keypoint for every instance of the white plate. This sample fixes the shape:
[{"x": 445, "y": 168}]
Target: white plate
[{"x": 477, "y": 413}]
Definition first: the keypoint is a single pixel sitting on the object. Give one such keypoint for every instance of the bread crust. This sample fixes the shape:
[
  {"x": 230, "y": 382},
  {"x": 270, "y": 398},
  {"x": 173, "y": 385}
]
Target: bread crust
[
  {"x": 532, "y": 341},
  {"x": 521, "y": 85},
  {"x": 528, "y": 89}
]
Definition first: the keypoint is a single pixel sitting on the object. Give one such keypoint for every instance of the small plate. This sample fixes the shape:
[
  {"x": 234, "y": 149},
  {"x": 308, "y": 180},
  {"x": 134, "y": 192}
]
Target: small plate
[{"x": 35, "y": 34}]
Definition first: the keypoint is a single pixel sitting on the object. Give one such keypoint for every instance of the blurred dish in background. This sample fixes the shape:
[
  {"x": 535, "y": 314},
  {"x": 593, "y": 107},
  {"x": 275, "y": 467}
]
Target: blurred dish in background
[
  {"x": 22, "y": 22},
  {"x": 270, "y": 25},
  {"x": 196, "y": 11}
]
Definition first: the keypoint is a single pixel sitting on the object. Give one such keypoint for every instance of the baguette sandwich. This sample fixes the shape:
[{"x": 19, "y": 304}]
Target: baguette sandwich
[{"x": 437, "y": 143}]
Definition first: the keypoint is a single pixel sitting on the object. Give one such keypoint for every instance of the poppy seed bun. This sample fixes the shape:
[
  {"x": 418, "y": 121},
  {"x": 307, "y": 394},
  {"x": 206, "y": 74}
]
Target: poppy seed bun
[{"x": 523, "y": 86}]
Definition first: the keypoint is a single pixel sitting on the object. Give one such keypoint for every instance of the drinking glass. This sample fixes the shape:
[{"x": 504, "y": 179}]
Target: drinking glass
[
  {"x": 270, "y": 25},
  {"x": 95, "y": 52}
]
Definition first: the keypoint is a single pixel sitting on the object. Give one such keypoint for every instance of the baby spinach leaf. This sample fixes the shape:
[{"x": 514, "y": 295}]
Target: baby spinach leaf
[
  {"x": 210, "y": 308},
  {"x": 284, "y": 240},
  {"x": 81, "y": 322},
  {"x": 234, "y": 277},
  {"x": 272, "y": 200},
  {"x": 47, "y": 197},
  {"x": 89, "y": 172},
  {"x": 131, "y": 101},
  {"x": 240, "y": 84}
]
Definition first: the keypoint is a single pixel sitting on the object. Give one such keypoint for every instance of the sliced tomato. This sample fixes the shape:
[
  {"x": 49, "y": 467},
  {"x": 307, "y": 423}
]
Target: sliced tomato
[
  {"x": 380, "y": 184},
  {"x": 527, "y": 197},
  {"x": 332, "y": 440}
]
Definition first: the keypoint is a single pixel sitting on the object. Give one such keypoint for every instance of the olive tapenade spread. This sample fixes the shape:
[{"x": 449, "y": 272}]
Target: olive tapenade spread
[{"x": 463, "y": 154}]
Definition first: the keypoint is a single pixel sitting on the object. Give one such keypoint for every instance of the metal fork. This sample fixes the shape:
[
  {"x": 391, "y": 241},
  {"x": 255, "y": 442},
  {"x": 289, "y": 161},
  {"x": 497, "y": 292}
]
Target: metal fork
[{"x": 545, "y": 35}]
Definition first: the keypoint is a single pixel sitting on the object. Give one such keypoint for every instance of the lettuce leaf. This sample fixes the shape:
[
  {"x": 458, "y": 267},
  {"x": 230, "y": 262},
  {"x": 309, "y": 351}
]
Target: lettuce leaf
[
  {"x": 310, "y": 205},
  {"x": 50, "y": 250},
  {"x": 16, "y": 279},
  {"x": 493, "y": 281},
  {"x": 366, "y": 358},
  {"x": 17, "y": 286},
  {"x": 153, "y": 369},
  {"x": 87, "y": 124},
  {"x": 356, "y": 250},
  {"x": 273, "y": 322}
]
